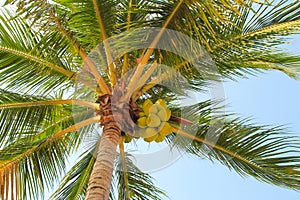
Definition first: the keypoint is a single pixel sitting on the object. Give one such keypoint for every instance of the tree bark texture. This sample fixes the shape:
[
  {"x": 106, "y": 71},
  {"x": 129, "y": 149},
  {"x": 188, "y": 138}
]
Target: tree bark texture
[{"x": 101, "y": 177}]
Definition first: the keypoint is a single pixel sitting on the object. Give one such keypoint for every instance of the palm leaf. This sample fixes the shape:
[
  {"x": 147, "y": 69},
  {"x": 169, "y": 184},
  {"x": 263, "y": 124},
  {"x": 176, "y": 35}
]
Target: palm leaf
[
  {"x": 33, "y": 157},
  {"x": 30, "y": 159},
  {"x": 79, "y": 17},
  {"x": 267, "y": 154},
  {"x": 86, "y": 14},
  {"x": 256, "y": 46},
  {"x": 33, "y": 118},
  {"x": 35, "y": 170},
  {"x": 268, "y": 15},
  {"x": 74, "y": 184},
  {"x": 26, "y": 57},
  {"x": 132, "y": 14},
  {"x": 141, "y": 185}
]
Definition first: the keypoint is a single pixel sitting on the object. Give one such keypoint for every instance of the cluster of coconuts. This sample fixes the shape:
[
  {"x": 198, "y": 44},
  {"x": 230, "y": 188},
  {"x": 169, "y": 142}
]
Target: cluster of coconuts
[{"x": 153, "y": 121}]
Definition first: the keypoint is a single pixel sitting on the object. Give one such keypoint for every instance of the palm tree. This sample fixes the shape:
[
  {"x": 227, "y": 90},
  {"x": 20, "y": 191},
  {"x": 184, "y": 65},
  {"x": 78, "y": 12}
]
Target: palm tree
[{"x": 50, "y": 103}]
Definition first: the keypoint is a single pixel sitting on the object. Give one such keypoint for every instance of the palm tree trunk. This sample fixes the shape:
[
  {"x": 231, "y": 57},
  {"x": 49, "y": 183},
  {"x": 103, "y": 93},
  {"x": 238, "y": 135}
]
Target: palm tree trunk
[
  {"x": 101, "y": 177},
  {"x": 100, "y": 180}
]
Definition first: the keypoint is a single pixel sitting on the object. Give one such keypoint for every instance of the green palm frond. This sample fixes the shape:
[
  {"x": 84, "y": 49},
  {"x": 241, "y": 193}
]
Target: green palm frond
[
  {"x": 35, "y": 170},
  {"x": 26, "y": 57},
  {"x": 141, "y": 185},
  {"x": 38, "y": 113},
  {"x": 74, "y": 184},
  {"x": 260, "y": 23},
  {"x": 135, "y": 14},
  {"x": 78, "y": 17},
  {"x": 199, "y": 19},
  {"x": 33, "y": 118},
  {"x": 267, "y": 154},
  {"x": 269, "y": 15},
  {"x": 257, "y": 43},
  {"x": 83, "y": 21},
  {"x": 31, "y": 159}
]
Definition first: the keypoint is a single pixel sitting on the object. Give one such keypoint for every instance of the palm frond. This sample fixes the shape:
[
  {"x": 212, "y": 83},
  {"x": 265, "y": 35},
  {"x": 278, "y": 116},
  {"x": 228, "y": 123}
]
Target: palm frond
[
  {"x": 26, "y": 57},
  {"x": 79, "y": 18},
  {"x": 267, "y": 154},
  {"x": 35, "y": 170},
  {"x": 269, "y": 15},
  {"x": 141, "y": 185},
  {"x": 64, "y": 29},
  {"x": 257, "y": 45},
  {"x": 30, "y": 160},
  {"x": 16, "y": 122},
  {"x": 74, "y": 184},
  {"x": 34, "y": 156},
  {"x": 134, "y": 14},
  {"x": 50, "y": 19},
  {"x": 99, "y": 7},
  {"x": 83, "y": 20},
  {"x": 202, "y": 20}
]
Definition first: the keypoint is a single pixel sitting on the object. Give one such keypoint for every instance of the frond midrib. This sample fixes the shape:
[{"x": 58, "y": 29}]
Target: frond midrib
[
  {"x": 85, "y": 176},
  {"x": 51, "y": 102},
  {"x": 257, "y": 32},
  {"x": 27, "y": 152},
  {"x": 38, "y": 60},
  {"x": 47, "y": 140},
  {"x": 222, "y": 149}
]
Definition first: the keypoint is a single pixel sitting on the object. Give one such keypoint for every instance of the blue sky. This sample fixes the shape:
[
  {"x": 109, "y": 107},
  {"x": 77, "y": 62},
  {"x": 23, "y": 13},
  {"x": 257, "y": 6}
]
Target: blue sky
[{"x": 270, "y": 98}]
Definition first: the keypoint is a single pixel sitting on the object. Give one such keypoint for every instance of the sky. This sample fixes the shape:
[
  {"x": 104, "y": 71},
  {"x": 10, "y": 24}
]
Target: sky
[{"x": 270, "y": 98}]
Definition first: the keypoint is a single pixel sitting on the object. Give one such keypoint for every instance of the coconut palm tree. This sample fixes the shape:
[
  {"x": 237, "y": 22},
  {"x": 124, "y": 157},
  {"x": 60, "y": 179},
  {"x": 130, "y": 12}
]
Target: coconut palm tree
[{"x": 68, "y": 67}]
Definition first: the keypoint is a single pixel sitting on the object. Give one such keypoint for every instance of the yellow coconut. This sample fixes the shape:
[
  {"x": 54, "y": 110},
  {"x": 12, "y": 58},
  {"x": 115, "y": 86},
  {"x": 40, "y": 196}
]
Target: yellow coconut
[
  {"x": 141, "y": 114},
  {"x": 153, "y": 120},
  {"x": 165, "y": 129},
  {"x": 162, "y": 103},
  {"x": 140, "y": 132},
  {"x": 160, "y": 138},
  {"x": 153, "y": 109},
  {"x": 142, "y": 122},
  {"x": 127, "y": 138},
  {"x": 162, "y": 114},
  {"x": 150, "y": 134},
  {"x": 146, "y": 106},
  {"x": 151, "y": 139}
]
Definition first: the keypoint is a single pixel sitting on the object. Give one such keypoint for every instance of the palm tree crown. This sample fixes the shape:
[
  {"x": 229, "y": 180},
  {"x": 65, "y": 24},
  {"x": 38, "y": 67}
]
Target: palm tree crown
[{"x": 99, "y": 75}]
